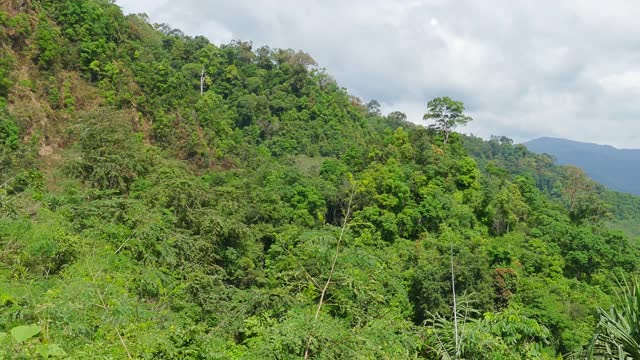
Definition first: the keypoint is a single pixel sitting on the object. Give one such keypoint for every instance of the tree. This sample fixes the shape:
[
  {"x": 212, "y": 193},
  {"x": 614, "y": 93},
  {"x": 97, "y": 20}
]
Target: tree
[
  {"x": 397, "y": 116},
  {"x": 583, "y": 201},
  {"x": 110, "y": 157},
  {"x": 373, "y": 107},
  {"x": 447, "y": 114},
  {"x": 507, "y": 209}
]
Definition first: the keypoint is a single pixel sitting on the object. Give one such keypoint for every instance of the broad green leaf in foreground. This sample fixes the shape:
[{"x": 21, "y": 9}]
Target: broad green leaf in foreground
[{"x": 25, "y": 332}]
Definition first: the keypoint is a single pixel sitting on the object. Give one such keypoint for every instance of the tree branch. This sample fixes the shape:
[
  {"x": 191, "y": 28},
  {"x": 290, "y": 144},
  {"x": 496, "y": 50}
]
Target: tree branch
[{"x": 331, "y": 272}]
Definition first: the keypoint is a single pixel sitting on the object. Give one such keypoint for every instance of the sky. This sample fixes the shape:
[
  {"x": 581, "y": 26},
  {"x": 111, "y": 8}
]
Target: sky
[{"x": 524, "y": 69}]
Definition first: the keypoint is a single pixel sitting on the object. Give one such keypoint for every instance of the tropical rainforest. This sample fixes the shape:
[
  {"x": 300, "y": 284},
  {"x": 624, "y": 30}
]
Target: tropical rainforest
[
  {"x": 163, "y": 197},
  {"x": 615, "y": 168}
]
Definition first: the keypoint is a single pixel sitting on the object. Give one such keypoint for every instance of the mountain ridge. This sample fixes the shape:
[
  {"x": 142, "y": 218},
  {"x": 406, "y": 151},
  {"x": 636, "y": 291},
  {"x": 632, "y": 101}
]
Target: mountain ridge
[
  {"x": 611, "y": 166},
  {"x": 580, "y": 143}
]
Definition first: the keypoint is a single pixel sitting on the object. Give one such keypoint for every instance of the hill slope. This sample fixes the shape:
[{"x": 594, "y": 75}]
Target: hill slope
[
  {"x": 615, "y": 168},
  {"x": 163, "y": 197}
]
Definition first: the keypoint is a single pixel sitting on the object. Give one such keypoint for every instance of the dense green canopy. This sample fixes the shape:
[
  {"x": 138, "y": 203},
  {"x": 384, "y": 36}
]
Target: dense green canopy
[{"x": 162, "y": 197}]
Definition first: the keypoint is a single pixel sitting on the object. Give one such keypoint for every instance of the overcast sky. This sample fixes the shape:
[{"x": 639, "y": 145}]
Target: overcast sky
[{"x": 524, "y": 69}]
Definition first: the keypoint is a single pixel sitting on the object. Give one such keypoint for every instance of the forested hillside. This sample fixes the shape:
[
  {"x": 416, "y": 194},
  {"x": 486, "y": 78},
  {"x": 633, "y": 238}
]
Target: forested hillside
[
  {"x": 621, "y": 210},
  {"x": 615, "y": 168},
  {"x": 163, "y": 197}
]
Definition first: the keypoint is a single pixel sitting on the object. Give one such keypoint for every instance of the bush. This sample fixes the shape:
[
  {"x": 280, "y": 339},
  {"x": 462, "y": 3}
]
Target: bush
[{"x": 111, "y": 156}]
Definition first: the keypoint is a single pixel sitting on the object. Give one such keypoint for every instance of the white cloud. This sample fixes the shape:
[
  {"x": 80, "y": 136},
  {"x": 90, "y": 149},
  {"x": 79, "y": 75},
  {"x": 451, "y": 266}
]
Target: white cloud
[
  {"x": 523, "y": 68},
  {"x": 623, "y": 83}
]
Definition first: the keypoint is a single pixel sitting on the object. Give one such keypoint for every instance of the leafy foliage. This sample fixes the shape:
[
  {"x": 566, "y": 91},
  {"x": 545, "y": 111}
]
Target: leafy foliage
[
  {"x": 165, "y": 197},
  {"x": 447, "y": 114},
  {"x": 617, "y": 334}
]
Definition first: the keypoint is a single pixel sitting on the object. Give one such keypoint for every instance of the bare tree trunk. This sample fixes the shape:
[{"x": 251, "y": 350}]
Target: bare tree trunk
[
  {"x": 202, "y": 81},
  {"x": 455, "y": 308}
]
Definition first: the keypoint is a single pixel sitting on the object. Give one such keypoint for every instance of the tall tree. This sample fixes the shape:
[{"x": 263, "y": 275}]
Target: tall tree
[{"x": 447, "y": 114}]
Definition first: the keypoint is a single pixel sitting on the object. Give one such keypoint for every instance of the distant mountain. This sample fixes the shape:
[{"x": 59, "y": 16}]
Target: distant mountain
[{"x": 618, "y": 169}]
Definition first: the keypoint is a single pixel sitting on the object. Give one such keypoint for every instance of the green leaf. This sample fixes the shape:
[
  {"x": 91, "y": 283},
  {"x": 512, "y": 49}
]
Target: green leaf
[
  {"x": 25, "y": 332},
  {"x": 50, "y": 350},
  {"x": 5, "y": 340}
]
